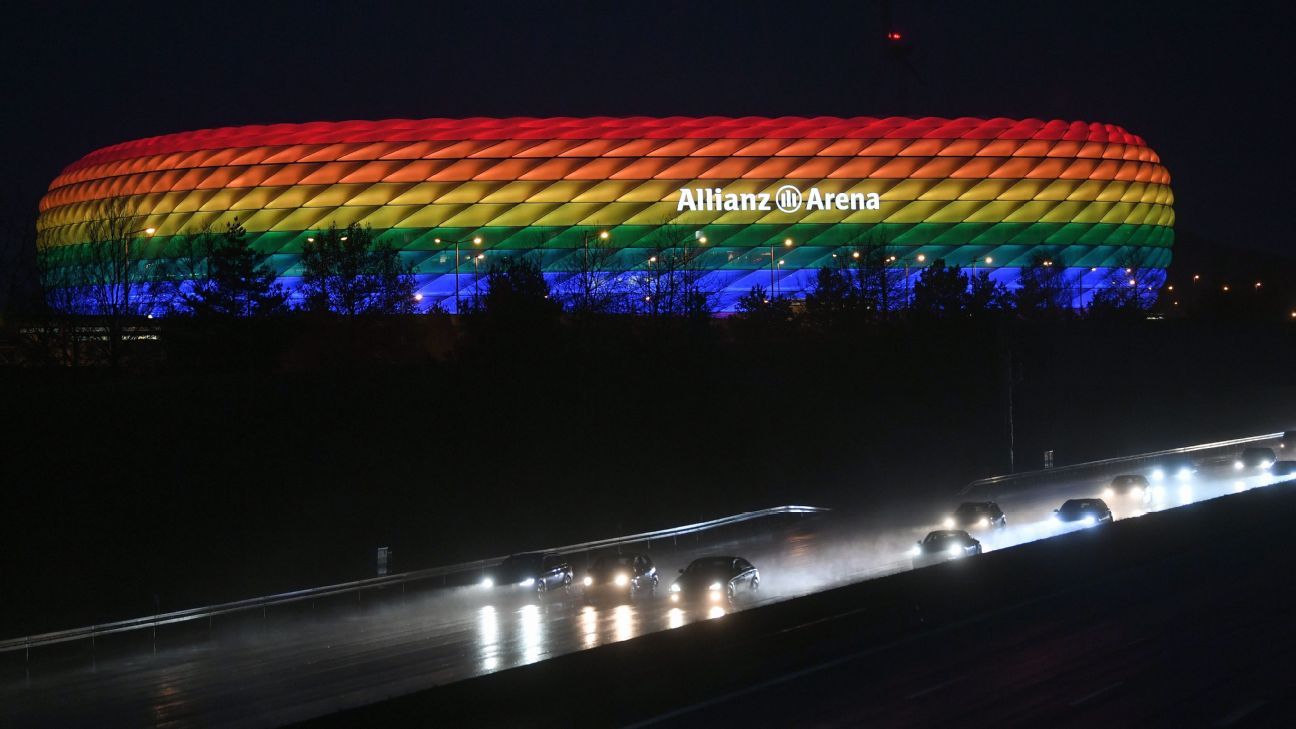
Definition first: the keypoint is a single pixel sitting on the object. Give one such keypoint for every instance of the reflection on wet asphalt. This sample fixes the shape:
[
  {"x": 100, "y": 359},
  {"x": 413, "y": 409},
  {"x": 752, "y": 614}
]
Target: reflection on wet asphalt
[{"x": 292, "y": 670}]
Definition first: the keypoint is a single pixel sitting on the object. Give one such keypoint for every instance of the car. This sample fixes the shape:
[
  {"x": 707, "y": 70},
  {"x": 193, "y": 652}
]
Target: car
[
  {"x": 1253, "y": 459},
  {"x": 715, "y": 579},
  {"x": 533, "y": 572},
  {"x": 1085, "y": 512},
  {"x": 620, "y": 577},
  {"x": 1132, "y": 485},
  {"x": 977, "y": 515},
  {"x": 943, "y": 545},
  {"x": 1283, "y": 468},
  {"x": 1180, "y": 469}
]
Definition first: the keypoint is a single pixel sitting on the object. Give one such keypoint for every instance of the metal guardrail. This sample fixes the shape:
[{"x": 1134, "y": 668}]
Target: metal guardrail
[
  {"x": 90, "y": 632},
  {"x": 1154, "y": 455}
]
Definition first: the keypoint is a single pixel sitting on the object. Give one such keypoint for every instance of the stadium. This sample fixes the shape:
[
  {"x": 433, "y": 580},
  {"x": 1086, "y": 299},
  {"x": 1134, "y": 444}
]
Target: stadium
[{"x": 730, "y": 200}]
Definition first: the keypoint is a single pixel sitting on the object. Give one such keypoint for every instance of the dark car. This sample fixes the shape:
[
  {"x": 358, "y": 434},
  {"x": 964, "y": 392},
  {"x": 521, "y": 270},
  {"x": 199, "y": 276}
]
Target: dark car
[
  {"x": 620, "y": 577},
  {"x": 942, "y": 545},
  {"x": 1085, "y": 512},
  {"x": 1283, "y": 468},
  {"x": 1255, "y": 459},
  {"x": 715, "y": 579},
  {"x": 534, "y": 572},
  {"x": 1180, "y": 469},
  {"x": 1131, "y": 484},
  {"x": 977, "y": 515}
]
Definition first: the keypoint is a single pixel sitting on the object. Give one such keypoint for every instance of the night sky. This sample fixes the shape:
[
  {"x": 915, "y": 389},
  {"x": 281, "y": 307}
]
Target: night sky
[{"x": 1208, "y": 85}]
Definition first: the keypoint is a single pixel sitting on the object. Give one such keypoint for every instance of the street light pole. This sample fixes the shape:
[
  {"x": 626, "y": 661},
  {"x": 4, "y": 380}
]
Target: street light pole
[{"x": 476, "y": 241}]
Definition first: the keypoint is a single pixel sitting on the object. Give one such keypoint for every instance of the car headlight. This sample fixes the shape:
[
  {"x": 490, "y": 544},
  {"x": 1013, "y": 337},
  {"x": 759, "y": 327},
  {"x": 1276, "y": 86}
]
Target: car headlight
[
  {"x": 915, "y": 552},
  {"x": 1266, "y": 464},
  {"x": 983, "y": 522},
  {"x": 715, "y": 587},
  {"x": 948, "y": 523},
  {"x": 1137, "y": 491},
  {"x": 488, "y": 582},
  {"x": 1087, "y": 521},
  {"x": 588, "y": 581},
  {"x": 954, "y": 551},
  {"x": 621, "y": 580},
  {"x": 675, "y": 587},
  {"x": 1108, "y": 493},
  {"x": 1157, "y": 474},
  {"x": 527, "y": 582},
  {"x": 1238, "y": 465},
  {"x": 1185, "y": 473}
]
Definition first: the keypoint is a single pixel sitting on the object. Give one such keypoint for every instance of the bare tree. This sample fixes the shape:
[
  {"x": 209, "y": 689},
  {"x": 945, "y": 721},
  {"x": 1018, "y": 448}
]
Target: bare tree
[
  {"x": 598, "y": 281},
  {"x": 878, "y": 284},
  {"x": 1130, "y": 288},
  {"x": 671, "y": 282},
  {"x": 106, "y": 276}
]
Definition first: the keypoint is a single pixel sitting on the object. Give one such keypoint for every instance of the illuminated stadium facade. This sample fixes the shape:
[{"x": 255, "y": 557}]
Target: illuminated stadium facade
[{"x": 748, "y": 201}]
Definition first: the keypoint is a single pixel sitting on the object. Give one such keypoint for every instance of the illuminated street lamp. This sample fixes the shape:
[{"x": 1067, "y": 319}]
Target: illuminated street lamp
[
  {"x": 787, "y": 243},
  {"x": 475, "y": 241}
]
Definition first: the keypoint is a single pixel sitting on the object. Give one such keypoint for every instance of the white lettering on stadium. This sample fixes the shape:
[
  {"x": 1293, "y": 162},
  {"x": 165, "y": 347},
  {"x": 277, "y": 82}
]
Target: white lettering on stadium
[{"x": 789, "y": 200}]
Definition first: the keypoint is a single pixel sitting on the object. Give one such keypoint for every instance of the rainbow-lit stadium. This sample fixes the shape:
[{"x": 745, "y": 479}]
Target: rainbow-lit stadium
[{"x": 990, "y": 194}]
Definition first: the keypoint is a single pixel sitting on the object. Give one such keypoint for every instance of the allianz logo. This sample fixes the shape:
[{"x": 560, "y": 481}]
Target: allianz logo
[{"x": 787, "y": 199}]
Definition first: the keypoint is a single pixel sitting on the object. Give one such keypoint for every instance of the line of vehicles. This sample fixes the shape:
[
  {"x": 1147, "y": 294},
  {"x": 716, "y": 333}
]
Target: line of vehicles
[
  {"x": 724, "y": 579},
  {"x": 954, "y": 541},
  {"x": 624, "y": 577}
]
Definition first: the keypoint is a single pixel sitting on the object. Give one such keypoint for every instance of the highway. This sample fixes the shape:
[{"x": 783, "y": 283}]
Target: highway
[{"x": 310, "y": 662}]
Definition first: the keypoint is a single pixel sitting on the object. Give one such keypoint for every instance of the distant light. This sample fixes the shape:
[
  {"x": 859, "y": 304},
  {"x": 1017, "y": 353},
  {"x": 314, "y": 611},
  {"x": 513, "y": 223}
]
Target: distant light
[
  {"x": 1050, "y": 263},
  {"x": 344, "y": 237},
  {"x": 150, "y": 316},
  {"x": 477, "y": 241},
  {"x": 1258, "y": 284},
  {"x": 1196, "y": 276},
  {"x": 603, "y": 235},
  {"x": 989, "y": 259},
  {"x": 702, "y": 240},
  {"x": 479, "y": 256},
  {"x": 1133, "y": 282},
  {"x": 1092, "y": 269},
  {"x": 1129, "y": 270},
  {"x": 1226, "y": 287},
  {"x": 787, "y": 242},
  {"x": 894, "y": 36},
  {"x": 310, "y": 240},
  {"x": 418, "y": 297},
  {"x": 921, "y": 258},
  {"x": 653, "y": 259},
  {"x": 855, "y": 254},
  {"x": 437, "y": 241},
  {"x": 1170, "y": 287},
  {"x": 781, "y": 261},
  {"x": 151, "y": 231}
]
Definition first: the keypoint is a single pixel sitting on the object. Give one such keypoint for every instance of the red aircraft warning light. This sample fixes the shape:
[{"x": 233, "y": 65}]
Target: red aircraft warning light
[{"x": 894, "y": 36}]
